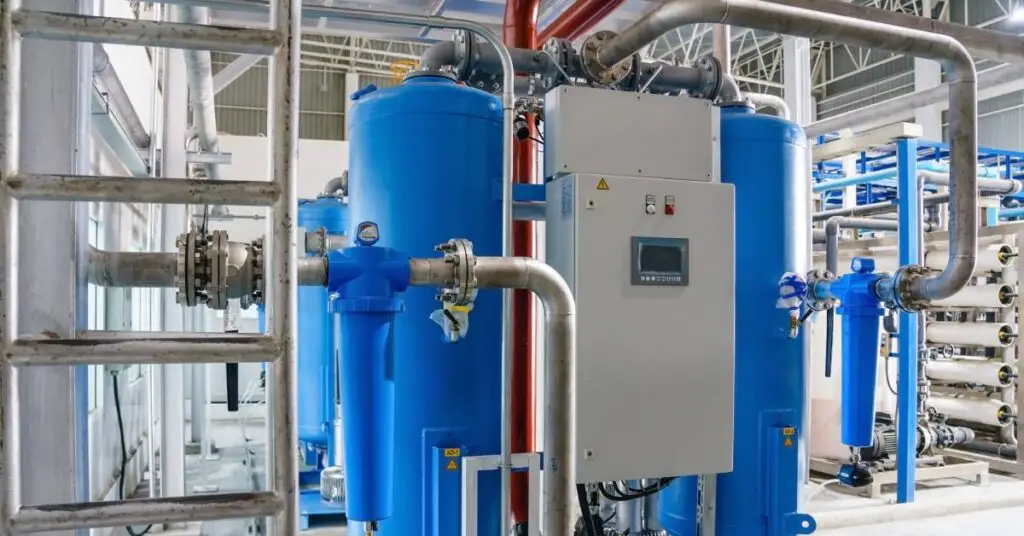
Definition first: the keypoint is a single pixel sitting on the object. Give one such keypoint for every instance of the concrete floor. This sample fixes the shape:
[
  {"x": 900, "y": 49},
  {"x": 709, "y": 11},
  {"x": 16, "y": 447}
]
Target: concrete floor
[{"x": 231, "y": 473}]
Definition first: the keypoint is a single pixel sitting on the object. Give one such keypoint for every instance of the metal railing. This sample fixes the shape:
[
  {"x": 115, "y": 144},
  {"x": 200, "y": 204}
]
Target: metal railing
[{"x": 279, "y": 348}]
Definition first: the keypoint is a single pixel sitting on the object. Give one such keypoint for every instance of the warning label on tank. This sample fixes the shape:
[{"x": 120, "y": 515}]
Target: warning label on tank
[
  {"x": 452, "y": 453},
  {"x": 789, "y": 442},
  {"x": 603, "y": 185},
  {"x": 452, "y": 466}
]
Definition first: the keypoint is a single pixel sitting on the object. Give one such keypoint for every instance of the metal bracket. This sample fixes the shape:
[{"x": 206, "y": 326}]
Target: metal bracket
[{"x": 471, "y": 468}]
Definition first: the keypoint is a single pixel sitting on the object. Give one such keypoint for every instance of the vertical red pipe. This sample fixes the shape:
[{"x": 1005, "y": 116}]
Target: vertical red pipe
[{"x": 520, "y": 31}]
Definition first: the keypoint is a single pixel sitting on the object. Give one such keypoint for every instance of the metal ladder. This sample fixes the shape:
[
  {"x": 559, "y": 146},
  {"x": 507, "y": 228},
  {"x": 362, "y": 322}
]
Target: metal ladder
[{"x": 281, "y": 42}]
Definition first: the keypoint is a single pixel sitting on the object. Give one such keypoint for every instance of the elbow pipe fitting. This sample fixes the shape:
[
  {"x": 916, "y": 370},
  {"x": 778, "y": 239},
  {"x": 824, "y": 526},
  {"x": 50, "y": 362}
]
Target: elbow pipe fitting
[{"x": 788, "y": 20}]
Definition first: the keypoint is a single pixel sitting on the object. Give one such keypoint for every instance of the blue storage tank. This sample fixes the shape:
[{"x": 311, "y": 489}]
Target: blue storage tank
[
  {"x": 765, "y": 158},
  {"x": 316, "y": 332},
  {"x": 425, "y": 164}
]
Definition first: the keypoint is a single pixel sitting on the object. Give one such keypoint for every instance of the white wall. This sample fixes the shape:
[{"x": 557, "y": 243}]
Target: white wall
[{"x": 319, "y": 161}]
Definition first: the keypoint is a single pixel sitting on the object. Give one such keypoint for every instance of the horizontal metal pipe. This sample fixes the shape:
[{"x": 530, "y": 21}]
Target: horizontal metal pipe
[
  {"x": 133, "y": 190},
  {"x": 786, "y": 20},
  {"x": 108, "y": 348},
  {"x": 320, "y": 243},
  {"x": 1003, "y": 450},
  {"x": 132, "y": 269},
  {"x": 312, "y": 271},
  {"x": 56, "y": 517},
  {"x": 981, "y": 43},
  {"x": 875, "y": 209},
  {"x": 903, "y": 106},
  {"x": 72, "y": 27},
  {"x": 985, "y": 185}
]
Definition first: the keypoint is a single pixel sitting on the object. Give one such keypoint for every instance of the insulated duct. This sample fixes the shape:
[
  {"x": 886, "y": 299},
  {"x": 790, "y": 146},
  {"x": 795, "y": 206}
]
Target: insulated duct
[
  {"x": 786, "y": 20},
  {"x": 199, "y": 70}
]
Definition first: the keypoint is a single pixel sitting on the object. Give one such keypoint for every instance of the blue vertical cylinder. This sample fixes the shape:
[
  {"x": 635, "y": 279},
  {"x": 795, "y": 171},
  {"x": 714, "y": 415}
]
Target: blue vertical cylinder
[
  {"x": 425, "y": 164},
  {"x": 316, "y": 332},
  {"x": 766, "y": 159},
  {"x": 861, "y": 332}
]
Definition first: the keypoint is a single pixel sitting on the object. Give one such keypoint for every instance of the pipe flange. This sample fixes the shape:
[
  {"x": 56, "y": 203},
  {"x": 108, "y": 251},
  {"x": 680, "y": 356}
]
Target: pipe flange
[
  {"x": 217, "y": 260},
  {"x": 182, "y": 276},
  {"x": 903, "y": 280},
  {"x": 815, "y": 302},
  {"x": 258, "y": 272},
  {"x": 710, "y": 78},
  {"x": 461, "y": 290},
  {"x": 592, "y": 67}
]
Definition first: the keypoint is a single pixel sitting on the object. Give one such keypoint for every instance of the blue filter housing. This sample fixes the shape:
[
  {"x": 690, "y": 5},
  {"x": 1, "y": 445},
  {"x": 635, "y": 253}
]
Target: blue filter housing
[
  {"x": 765, "y": 158},
  {"x": 425, "y": 164},
  {"x": 316, "y": 333}
]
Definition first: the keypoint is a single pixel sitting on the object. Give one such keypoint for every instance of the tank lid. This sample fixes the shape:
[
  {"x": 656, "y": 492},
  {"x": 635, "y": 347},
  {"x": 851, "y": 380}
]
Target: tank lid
[{"x": 434, "y": 77}]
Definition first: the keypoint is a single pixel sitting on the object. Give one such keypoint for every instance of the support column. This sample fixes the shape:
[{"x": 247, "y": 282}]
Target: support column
[
  {"x": 906, "y": 386},
  {"x": 796, "y": 54},
  {"x": 928, "y": 74},
  {"x": 172, "y": 377},
  {"x": 796, "y": 63},
  {"x": 53, "y": 419}
]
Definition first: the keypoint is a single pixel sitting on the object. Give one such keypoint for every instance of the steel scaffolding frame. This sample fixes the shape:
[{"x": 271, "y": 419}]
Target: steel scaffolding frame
[{"x": 282, "y": 42}]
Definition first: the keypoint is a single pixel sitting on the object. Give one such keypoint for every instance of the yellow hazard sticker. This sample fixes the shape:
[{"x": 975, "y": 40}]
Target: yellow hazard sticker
[
  {"x": 452, "y": 453},
  {"x": 789, "y": 442},
  {"x": 603, "y": 184},
  {"x": 788, "y": 431},
  {"x": 452, "y": 466}
]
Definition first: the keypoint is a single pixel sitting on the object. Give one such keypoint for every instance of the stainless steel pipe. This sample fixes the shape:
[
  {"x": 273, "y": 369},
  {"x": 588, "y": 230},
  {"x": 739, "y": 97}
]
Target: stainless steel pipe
[
  {"x": 132, "y": 269},
  {"x": 789, "y": 20},
  {"x": 832, "y": 228},
  {"x": 128, "y": 348},
  {"x": 981, "y": 43},
  {"x": 768, "y": 100},
  {"x": 51, "y": 187},
  {"x": 559, "y": 367},
  {"x": 58, "y": 517},
  {"x": 199, "y": 73}
]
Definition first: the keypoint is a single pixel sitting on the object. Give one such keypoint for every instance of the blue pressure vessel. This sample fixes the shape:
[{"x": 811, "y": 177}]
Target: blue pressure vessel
[
  {"x": 425, "y": 164},
  {"x": 316, "y": 332},
  {"x": 765, "y": 158}
]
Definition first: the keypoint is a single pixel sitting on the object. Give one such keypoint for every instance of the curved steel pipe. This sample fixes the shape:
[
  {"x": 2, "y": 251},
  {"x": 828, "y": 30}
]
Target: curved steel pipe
[
  {"x": 787, "y": 20},
  {"x": 768, "y": 100},
  {"x": 199, "y": 65},
  {"x": 559, "y": 366}
]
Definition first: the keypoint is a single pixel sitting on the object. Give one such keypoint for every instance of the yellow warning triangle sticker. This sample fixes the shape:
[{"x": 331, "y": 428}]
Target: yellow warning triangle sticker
[
  {"x": 789, "y": 442},
  {"x": 603, "y": 185},
  {"x": 452, "y": 466}
]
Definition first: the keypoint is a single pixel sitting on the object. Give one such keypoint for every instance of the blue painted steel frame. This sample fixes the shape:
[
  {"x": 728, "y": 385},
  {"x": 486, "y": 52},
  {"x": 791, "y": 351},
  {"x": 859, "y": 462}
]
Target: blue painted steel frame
[{"x": 909, "y": 253}]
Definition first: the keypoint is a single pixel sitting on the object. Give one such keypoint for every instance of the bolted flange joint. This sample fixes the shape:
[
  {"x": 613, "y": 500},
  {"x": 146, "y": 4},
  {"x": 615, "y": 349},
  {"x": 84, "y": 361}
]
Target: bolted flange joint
[
  {"x": 462, "y": 287},
  {"x": 897, "y": 291},
  {"x": 819, "y": 298}
]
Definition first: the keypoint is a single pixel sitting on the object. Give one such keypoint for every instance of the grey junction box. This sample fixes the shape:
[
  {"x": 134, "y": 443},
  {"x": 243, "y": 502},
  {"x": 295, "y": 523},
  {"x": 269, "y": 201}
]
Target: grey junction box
[
  {"x": 594, "y": 130},
  {"x": 651, "y": 264}
]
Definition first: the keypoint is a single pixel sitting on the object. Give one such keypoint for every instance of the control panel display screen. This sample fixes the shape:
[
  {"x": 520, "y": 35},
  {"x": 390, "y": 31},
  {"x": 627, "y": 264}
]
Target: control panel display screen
[{"x": 657, "y": 261}]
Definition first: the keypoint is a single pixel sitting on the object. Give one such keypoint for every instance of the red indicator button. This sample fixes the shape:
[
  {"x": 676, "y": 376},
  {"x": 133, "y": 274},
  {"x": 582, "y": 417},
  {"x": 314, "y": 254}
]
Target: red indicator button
[{"x": 670, "y": 209}]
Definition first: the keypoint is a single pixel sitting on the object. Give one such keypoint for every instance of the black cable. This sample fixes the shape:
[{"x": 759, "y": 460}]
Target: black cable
[
  {"x": 588, "y": 519},
  {"x": 537, "y": 140},
  {"x": 124, "y": 451},
  {"x": 628, "y": 494},
  {"x": 888, "y": 382}
]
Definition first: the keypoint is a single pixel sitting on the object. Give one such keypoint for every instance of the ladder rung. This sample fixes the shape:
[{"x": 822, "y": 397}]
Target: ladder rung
[
  {"x": 54, "y": 517},
  {"x": 70, "y": 27},
  {"x": 128, "y": 348},
  {"x": 135, "y": 190}
]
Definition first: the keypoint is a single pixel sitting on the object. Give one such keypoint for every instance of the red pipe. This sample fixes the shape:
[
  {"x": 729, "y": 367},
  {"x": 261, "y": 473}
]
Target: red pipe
[
  {"x": 520, "y": 31},
  {"x": 579, "y": 19}
]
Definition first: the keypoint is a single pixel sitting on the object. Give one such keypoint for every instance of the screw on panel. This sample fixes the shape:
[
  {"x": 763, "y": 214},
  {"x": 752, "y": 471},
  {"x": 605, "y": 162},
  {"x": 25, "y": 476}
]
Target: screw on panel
[{"x": 588, "y": 454}]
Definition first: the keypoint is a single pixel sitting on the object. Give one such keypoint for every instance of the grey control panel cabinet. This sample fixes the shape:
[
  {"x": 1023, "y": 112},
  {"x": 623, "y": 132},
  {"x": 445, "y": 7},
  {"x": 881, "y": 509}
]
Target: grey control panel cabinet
[
  {"x": 593, "y": 130},
  {"x": 651, "y": 264}
]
